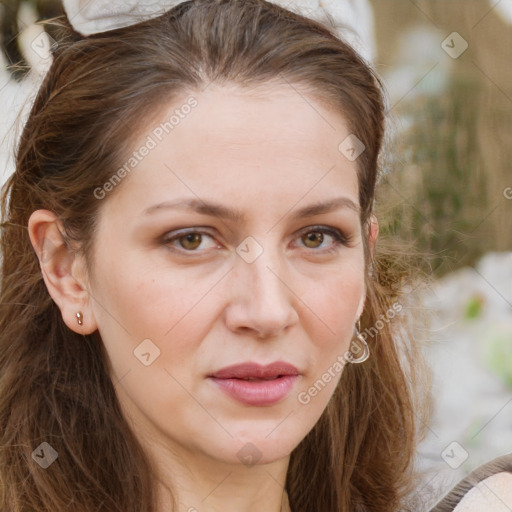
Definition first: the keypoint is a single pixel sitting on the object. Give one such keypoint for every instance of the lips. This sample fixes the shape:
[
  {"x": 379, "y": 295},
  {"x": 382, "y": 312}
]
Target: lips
[
  {"x": 255, "y": 385},
  {"x": 254, "y": 371}
]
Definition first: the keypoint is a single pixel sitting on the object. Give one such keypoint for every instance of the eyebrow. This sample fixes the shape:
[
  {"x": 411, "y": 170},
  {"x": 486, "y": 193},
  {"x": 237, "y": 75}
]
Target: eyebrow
[{"x": 218, "y": 210}]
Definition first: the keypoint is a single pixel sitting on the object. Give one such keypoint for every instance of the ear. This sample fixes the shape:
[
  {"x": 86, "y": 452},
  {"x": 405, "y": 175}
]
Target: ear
[
  {"x": 62, "y": 270},
  {"x": 373, "y": 233}
]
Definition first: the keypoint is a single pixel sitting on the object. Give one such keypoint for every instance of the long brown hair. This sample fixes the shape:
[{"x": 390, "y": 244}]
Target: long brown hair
[{"x": 55, "y": 385}]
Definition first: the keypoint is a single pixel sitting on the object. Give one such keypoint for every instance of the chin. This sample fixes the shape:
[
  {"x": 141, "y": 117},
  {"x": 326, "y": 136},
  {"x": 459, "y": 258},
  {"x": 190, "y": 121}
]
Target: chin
[{"x": 259, "y": 450}]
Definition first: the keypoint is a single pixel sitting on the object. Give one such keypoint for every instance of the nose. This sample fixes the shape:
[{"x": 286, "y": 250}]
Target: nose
[{"x": 262, "y": 299}]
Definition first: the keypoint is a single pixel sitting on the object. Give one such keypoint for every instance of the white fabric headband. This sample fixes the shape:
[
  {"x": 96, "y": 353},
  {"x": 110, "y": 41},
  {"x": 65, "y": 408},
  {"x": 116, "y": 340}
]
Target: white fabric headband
[{"x": 353, "y": 19}]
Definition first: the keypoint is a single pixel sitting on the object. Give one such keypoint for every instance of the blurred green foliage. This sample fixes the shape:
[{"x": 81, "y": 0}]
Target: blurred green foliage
[
  {"x": 474, "y": 307},
  {"x": 498, "y": 354},
  {"x": 438, "y": 187},
  {"x": 451, "y": 160}
]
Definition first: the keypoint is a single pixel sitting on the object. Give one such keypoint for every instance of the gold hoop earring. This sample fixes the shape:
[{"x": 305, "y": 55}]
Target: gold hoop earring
[
  {"x": 356, "y": 349},
  {"x": 80, "y": 318}
]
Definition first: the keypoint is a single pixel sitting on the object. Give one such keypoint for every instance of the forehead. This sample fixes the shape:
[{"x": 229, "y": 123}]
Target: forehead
[
  {"x": 270, "y": 144},
  {"x": 277, "y": 116}
]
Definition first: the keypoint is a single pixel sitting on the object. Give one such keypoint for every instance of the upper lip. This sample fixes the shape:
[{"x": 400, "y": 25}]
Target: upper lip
[{"x": 256, "y": 371}]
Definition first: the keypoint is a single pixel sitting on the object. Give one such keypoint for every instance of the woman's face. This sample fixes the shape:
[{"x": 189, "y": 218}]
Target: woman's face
[{"x": 244, "y": 274}]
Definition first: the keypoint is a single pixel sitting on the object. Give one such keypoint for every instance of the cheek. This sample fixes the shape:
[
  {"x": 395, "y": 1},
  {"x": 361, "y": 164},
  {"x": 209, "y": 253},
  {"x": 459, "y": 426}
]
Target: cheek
[
  {"x": 136, "y": 301},
  {"x": 334, "y": 302}
]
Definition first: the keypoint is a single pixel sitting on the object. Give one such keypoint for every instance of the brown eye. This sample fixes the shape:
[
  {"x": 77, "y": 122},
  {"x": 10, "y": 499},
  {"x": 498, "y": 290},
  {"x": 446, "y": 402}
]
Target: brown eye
[
  {"x": 191, "y": 241},
  {"x": 316, "y": 240},
  {"x": 313, "y": 239}
]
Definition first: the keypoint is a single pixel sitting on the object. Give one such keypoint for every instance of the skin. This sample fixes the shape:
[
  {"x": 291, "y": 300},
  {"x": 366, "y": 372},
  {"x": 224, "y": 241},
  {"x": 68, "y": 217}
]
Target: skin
[
  {"x": 266, "y": 153},
  {"x": 494, "y": 494}
]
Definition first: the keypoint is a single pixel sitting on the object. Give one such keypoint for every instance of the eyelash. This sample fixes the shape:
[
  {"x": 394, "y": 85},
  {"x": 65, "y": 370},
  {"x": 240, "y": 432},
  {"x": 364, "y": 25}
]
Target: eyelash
[{"x": 336, "y": 234}]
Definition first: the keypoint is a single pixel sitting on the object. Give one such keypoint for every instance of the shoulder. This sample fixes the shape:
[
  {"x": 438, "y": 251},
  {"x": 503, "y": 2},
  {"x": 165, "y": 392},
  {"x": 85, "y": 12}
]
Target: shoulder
[
  {"x": 493, "y": 494},
  {"x": 488, "y": 488}
]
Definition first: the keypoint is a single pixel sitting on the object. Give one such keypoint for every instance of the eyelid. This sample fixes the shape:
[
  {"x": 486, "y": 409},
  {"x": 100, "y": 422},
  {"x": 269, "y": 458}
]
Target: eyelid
[
  {"x": 166, "y": 239},
  {"x": 340, "y": 237},
  {"x": 330, "y": 230}
]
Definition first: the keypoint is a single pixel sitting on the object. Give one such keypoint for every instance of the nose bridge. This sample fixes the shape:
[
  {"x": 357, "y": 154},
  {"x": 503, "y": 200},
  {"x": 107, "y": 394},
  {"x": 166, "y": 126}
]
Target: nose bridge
[
  {"x": 263, "y": 274},
  {"x": 266, "y": 275},
  {"x": 263, "y": 291}
]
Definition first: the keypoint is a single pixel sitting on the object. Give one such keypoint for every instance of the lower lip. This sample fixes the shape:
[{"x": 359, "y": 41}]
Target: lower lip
[{"x": 257, "y": 392}]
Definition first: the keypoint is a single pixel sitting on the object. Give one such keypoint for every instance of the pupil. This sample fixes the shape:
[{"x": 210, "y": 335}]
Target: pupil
[
  {"x": 312, "y": 236},
  {"x": 190, "y": 239}
]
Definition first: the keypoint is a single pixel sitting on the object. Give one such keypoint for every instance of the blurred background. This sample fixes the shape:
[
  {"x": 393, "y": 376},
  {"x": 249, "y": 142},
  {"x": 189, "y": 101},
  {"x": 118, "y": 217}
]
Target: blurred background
[{"x": 446, "y": 189}]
